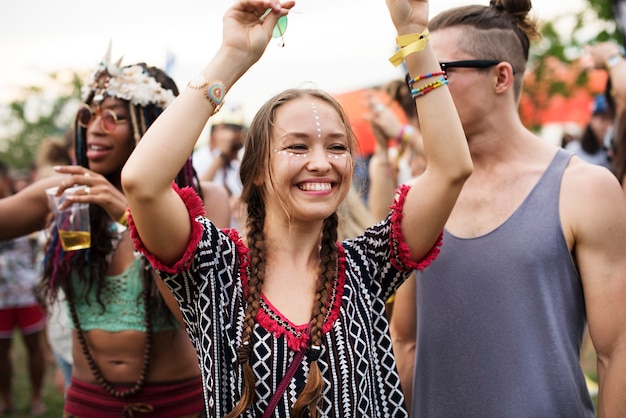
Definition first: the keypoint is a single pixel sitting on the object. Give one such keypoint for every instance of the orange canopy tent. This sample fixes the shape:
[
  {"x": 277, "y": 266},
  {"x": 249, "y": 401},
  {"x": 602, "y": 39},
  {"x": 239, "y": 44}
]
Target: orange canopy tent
[
  {"x": 355, "y": 104},
  {"x": 538, "y": 108}
]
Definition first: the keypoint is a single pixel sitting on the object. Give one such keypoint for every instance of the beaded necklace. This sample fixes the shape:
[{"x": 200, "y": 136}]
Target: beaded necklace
[{"x": 92, "y": 363}]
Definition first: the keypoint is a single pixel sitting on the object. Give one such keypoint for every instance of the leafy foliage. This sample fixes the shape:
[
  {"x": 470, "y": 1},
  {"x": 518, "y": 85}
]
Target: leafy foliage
[
  {"x": 602, "y": 8},
  {"x": 41, "y": 112},
  {"x": 560, "y": 49}
]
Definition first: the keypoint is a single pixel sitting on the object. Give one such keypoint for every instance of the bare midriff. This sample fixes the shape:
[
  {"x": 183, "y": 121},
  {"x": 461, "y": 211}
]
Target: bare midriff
[{"x": 120, "y": 356}]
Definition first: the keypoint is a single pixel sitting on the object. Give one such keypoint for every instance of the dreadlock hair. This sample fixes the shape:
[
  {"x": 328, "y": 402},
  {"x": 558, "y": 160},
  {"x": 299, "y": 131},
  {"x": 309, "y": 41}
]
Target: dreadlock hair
[
  {"x": 257, "y": 186},
  {"x": 501, "y": 31},
  {"x": 91, "y": 264}
]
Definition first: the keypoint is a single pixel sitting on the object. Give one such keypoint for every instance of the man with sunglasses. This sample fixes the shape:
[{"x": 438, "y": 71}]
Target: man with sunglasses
[{"x": 533, "y": 251}]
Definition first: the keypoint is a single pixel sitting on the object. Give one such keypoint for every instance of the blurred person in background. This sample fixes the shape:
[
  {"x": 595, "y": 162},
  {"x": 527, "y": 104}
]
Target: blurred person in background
[
  {"x": 591, "y": 145},
  {"x": 218, "y": 160},
  {"x": 19, "y": 308},
  {"x": 610, "y": 57},
  {"x": 52, "y": 152}
]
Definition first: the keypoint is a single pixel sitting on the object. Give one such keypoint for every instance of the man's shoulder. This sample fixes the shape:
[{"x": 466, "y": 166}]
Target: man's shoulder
[
  {"x": 588, "y": 188},
  {"x": 583, "y": 175}
]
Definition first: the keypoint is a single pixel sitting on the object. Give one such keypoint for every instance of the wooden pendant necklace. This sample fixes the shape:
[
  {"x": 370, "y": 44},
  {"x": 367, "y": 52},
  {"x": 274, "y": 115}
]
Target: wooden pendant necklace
[{"x": 92, "y": 363}]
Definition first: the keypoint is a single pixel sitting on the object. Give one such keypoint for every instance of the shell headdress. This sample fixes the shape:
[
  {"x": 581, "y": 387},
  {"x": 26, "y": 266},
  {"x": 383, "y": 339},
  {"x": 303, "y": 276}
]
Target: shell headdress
[{"x": 128, "y": 83}]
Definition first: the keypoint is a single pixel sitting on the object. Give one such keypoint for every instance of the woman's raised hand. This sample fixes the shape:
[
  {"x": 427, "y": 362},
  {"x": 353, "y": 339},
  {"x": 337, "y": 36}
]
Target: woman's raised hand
[
  {"x": 408, "y": 16},
  {"x": 248, "y": 25}
]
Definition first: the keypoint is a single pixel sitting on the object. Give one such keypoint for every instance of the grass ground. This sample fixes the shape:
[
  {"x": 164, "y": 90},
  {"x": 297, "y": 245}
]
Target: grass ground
[{"x": 21, "y": 386}]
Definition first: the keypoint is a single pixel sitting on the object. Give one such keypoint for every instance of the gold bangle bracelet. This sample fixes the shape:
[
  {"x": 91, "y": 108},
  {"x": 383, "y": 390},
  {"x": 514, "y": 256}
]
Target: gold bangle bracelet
[{"x": 123, "y": 220}]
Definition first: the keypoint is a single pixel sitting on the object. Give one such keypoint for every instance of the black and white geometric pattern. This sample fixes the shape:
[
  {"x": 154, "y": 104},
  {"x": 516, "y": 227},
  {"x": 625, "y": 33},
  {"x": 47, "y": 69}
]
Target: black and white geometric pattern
[{"x": 356, "y": 361}]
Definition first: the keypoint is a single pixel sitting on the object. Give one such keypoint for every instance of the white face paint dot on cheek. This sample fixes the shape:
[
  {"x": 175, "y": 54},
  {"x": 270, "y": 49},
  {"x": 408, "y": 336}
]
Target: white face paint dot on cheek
[
  {"x": 289, "y": 153},
  {"x": 337, "y": 156}
]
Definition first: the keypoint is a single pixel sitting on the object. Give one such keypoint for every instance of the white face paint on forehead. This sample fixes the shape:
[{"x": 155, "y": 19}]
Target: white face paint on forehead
[
  {"x": 318, "y": 124},
  {"x": 294, "y": 147}
]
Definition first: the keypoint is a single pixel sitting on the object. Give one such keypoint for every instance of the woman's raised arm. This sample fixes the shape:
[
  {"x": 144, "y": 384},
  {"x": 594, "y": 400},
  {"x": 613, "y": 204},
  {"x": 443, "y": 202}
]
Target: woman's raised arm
[
  {"x": 159, "y": 214},
  {"x": 448, "y": 161}
]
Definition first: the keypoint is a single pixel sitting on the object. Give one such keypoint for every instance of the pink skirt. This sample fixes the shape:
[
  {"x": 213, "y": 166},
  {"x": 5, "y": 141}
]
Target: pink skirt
[{"x": 163, "y": 400}]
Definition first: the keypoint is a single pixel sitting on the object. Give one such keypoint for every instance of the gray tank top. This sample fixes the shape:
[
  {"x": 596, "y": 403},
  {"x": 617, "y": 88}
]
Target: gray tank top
[{"x": 501, "y": 319}]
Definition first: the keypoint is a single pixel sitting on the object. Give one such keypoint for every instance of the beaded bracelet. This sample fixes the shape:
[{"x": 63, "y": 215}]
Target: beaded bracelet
[
  {"x": 413, "y": 42},
  {"x": 406, "y": 133},
  {"x": 421, "y": 91},
  {"x": 425, "y": 76}
]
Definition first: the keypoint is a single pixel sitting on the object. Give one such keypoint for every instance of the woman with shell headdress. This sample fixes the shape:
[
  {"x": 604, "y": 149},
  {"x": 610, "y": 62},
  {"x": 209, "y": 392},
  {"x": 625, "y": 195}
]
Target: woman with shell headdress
[{"x": 130, "y": 352}]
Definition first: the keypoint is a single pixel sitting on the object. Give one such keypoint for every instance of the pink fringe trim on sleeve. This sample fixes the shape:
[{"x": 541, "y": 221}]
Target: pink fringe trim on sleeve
[
  {"x": 244, "y": 258},
  {"x": 400, "y": 253},
  {"x": 196, "y": 208}
]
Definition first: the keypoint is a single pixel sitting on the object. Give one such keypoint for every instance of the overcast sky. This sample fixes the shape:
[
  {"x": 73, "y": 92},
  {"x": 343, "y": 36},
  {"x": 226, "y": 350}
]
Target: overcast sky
[{"x": 337, "y": 45}]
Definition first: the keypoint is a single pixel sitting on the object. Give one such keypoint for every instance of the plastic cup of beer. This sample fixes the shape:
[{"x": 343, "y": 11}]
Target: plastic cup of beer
[{"x": 72, "y": 221}]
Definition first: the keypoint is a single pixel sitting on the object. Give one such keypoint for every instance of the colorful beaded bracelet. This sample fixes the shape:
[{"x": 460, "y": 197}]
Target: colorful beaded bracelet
[
  {"x": 425, "y": 76},
  {"x": 421, "y": 91}
]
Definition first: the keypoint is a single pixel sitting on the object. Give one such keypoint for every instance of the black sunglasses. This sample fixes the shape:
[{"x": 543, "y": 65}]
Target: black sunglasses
[{"x": 468, "y": 64}]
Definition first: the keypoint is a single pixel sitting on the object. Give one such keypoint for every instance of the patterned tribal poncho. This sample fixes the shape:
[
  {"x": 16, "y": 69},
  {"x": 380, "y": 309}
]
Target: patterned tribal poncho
[{"x": 361, "y": 380}]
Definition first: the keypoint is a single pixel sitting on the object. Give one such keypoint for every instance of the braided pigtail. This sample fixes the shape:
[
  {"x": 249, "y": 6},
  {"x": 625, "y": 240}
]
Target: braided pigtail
[
  {"x": 256, "y": 242},
  {"x": 314, "y": 388}
]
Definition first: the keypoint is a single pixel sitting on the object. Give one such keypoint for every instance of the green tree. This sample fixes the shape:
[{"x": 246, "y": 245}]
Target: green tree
[
  {"x": 604, "y": 11},
  {"x": 41, "y": 112},
  {"x": 561, "y": 46}
]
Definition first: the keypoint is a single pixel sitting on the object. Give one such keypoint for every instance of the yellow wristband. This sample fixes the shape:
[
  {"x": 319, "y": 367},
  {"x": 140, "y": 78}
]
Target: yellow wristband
[
  {"x": 409, "y": 44},
  {"x": 122, "y": 220}
]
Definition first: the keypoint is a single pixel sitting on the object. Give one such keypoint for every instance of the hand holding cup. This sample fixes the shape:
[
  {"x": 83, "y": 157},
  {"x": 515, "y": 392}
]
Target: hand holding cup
[{"x": 72, "y": 221}]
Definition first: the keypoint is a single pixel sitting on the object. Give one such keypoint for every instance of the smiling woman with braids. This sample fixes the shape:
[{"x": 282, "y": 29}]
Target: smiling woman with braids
[
  {"x": 130, "y": 353},
  {"x": 287, "y": 321}
]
